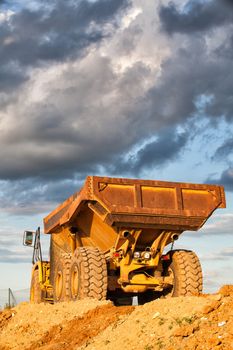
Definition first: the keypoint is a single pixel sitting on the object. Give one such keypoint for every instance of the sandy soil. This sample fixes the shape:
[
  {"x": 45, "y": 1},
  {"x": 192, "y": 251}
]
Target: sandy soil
[{"x": 200, "y": 323}]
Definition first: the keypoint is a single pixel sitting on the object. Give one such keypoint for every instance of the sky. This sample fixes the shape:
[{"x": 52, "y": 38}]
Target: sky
[{"x": 139, "y": 89}]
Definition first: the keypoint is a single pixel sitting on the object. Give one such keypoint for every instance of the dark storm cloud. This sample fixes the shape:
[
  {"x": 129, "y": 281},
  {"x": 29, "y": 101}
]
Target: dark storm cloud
[
  {"x": 41, "y": 193},
  {"x": 33, "y": 196},
  {"x": 93, "y": 114},
  {"x": 48, "y": 145},
  {"x": 225, "y": 179},
  {"x": 11, "y": 77},
  {"x": 53, "y": 165},
  {"x": 73, "y": 129},
  {"x": 226, "y": 49},
  {"x": 197, "y": 16},
  {"x": 166, "y": 147},
  {"x": 46, "y": 141},
  {"x": 195, "y": 69},
  {"x": 224, "y": 151},
  {"x": 34, "y": 37},
  {"x": 189, "y": 76},
  {"x": 224, "y": 154}
]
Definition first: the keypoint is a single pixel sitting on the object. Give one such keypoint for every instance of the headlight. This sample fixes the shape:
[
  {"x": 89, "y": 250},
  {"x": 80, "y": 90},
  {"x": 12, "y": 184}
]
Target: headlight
[
  {"x": 147, "y": 255},
  {"x": 136, "y": 255}
]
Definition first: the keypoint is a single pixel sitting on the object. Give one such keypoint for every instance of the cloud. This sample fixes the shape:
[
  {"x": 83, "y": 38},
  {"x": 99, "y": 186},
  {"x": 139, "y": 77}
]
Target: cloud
[
  {"x": 77, "y": 125},
  {"x": 225, "y": 150},
  {"x": 37, "y": 36},
  {"x": 167, "y": 146},
  {"x": 224, "y": 254},
  {"x": 11, "y": 78},
  {"x": 102, "y": 90},
  {"x": 108, "y": 88},
  {"x": 85, "y": 109},
  {"x": 214, "y": 279},
  {"x": 164, "y": 149},
  {"x": 201, "y": 63},
  {"x": 10, "y": 256},
  {"x": 227, "y": 252},
  {"x": 33, "y": 197},
  {"x": 219, "y": 224},
  {"x": 196, "y": 16},
  {"x": 225, "y": 179},
  {"x": 11, "y": 244},
  {"x": 11, "y": 247}
]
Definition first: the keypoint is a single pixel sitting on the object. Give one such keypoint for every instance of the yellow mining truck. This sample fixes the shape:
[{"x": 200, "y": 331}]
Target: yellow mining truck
[{"x": 108, "y": 240}]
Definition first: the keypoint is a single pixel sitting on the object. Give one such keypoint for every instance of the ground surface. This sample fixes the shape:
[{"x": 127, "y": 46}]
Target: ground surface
[{"x": 204, "y": 322}]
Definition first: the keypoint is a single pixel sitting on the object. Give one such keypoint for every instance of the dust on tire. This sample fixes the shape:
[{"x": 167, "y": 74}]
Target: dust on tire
[{"x": 88, "y": 274}]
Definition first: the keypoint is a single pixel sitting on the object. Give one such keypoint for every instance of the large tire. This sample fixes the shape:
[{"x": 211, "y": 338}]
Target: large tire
[
  {"x": 88, "y": 274},
  {"x": 61, "y": 278},
  {"x": 36, "y": 294},
  {"x": 186, "y": 273}
]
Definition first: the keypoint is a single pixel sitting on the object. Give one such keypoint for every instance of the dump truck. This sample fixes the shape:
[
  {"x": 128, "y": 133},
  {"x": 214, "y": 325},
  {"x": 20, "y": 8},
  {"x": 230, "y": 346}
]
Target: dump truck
[{"x": 115, "y": 238}]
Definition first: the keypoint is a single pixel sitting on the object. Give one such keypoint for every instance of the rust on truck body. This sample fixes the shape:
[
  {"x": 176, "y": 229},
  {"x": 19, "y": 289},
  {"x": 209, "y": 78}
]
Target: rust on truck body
[
  {"x": 125, "y": 224},
  {"x": 140, "y": 203}
]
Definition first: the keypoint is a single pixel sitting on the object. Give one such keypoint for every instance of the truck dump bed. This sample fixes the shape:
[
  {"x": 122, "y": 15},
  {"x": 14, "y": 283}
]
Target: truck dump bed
[{"x": 139, "y": 204}]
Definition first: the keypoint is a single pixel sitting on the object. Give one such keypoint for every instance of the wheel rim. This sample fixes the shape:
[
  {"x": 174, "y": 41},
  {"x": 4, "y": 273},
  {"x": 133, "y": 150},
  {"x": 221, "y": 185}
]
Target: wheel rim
[
  {"x": 75, "y": 282},
  {"x": 59, "y": 285}
]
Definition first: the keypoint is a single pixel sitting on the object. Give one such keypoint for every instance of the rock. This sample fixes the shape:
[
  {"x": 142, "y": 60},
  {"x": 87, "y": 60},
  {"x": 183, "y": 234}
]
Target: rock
[
  {"x": 213, "y": 341},
  {"x": 184, "y": 331},
  {"x": 217, "y": 297},
  {"x": 226, "y": 290},
  {"x": 209, "y": 308}
]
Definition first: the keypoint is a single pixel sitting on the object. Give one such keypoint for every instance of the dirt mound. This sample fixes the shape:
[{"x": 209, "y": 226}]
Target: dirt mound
[
  {"x": 33, "y": 321},
  {"x": 200, "y": 323},
  {"x": 81, "y": 330},
  {"x": 5, "y": 317},
  {"x": 212, "y": 329}
]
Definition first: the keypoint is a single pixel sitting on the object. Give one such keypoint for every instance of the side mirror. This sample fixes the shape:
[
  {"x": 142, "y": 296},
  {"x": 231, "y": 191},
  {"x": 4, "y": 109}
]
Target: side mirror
[{"x": 28, "y": 238}]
